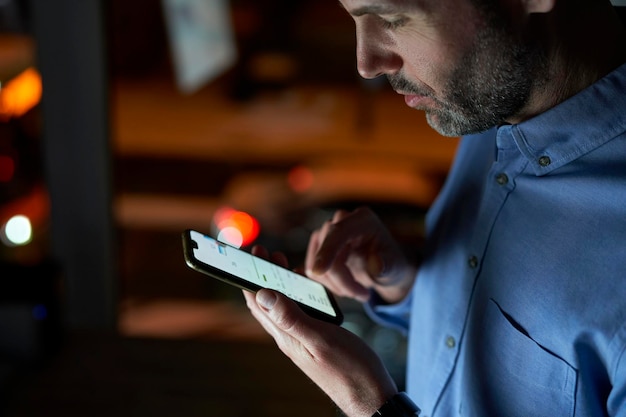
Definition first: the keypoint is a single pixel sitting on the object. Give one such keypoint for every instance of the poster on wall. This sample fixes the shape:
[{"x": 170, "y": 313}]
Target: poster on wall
[{"x": 201, "y": 40}]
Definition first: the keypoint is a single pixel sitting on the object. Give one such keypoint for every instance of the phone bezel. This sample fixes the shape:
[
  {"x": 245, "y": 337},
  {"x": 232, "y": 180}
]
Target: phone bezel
[{"x": 228, "y": 278}]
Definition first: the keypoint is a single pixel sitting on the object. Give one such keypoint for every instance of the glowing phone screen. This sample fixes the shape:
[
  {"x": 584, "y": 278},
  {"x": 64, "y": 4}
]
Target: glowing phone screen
[{"x": 261, "y": 272}]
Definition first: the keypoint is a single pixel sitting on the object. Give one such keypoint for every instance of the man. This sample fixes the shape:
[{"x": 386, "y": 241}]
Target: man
[{"x": 519, "y": 307}]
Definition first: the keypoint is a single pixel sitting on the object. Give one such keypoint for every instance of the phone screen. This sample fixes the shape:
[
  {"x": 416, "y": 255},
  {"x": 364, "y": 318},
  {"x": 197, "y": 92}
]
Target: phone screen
[{"x": 253, "y": 273}]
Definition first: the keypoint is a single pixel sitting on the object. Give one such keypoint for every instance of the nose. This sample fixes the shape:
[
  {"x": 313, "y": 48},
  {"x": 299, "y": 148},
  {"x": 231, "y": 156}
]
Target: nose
[{"x": 375, "y": 54}]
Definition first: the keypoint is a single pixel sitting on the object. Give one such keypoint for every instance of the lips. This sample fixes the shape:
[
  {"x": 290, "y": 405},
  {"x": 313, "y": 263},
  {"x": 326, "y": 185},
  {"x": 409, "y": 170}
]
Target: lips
[{"x": 413, "y": 100}]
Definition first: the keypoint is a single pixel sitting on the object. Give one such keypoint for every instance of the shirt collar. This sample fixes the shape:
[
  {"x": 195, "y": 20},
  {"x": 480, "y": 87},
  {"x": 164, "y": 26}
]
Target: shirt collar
[{"x": 574, "y": 127}]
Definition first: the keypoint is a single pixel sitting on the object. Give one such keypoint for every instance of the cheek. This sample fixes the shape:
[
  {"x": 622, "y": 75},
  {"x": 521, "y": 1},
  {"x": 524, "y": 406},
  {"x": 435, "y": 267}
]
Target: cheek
[
  {"x": 432, "y": 55},
  {"x": 433, "y": 47},
  {"x": 425, "y": 59}
]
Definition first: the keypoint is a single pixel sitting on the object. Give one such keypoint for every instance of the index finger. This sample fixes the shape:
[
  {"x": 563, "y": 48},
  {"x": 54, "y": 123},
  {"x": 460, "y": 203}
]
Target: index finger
[{"x": 344, "y": 229}]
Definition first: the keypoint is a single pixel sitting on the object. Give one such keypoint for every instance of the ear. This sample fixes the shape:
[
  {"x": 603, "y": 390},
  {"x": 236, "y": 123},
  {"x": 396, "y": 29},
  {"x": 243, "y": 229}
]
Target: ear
[{"x": 538, "y": 6}]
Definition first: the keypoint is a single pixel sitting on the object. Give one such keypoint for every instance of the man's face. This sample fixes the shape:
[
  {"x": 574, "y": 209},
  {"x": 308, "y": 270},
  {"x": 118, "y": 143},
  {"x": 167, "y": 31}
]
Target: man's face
[{"x": 462, "y": 66}]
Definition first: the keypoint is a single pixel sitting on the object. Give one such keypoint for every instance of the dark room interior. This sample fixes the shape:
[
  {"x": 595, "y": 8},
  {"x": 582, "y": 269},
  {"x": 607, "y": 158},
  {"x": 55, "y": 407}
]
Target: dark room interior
[{"x": 99, "y": 315}]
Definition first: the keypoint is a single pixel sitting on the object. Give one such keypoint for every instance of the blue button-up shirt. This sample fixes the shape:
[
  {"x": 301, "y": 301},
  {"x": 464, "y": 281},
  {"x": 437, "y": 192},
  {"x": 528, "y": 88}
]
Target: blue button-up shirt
[{"x": 519, "y": 308}]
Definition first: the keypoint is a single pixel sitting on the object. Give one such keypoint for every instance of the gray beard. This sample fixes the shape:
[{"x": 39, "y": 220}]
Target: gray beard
[{"x": 490, "y": 84}]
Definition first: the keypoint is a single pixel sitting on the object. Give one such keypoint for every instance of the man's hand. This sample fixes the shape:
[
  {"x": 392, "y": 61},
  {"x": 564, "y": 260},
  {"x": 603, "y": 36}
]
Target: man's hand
[
  {"x": 354, "y": 252},
  {"x": 339, "y": 362}
]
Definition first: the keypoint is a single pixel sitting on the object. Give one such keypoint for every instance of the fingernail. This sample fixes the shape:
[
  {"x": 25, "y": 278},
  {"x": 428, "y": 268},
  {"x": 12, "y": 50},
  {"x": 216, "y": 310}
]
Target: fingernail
[
  {"x": 318, "y": 268},
  {"x": 375, "y": 266},
  {"x": 266, "y": 299}
]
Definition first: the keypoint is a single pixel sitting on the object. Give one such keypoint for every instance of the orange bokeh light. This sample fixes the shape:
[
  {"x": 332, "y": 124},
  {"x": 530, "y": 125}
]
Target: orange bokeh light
[{"x": 20, "y": 94}]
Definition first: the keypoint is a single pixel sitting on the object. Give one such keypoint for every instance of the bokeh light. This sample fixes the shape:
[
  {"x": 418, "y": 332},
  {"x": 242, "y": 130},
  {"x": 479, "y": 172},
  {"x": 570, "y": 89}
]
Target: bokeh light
[
  {"x": 300, "y": 179},
  {"x": 237, "y": 228},
  {"x": 20, "y": 94},
  {"x": 17, "y": 231}
]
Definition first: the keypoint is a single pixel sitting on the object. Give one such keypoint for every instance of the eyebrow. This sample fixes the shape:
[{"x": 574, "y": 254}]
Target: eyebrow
[{"x": 377, "y": 9}]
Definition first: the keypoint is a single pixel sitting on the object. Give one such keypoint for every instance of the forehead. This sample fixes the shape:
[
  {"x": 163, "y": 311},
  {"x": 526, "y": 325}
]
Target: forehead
[{"x": 362, "y": 7}]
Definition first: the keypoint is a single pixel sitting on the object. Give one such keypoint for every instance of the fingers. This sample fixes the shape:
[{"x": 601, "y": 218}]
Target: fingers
[
  {"x": 315, "y": 241},
  {"x": 354, "y": 229},
  {"x": 274, "y": 311},
  {"x": 278, "y": 258},
  {"x": 317, "y": 263},
  {"x": 285, "y": 314},
  {"x": 342, "y": 253},
  {"x": 260, "y": 251},
  {"x": 282, "y": 313},
  {"x": 337, "y": 276},
  {"x": 258, "y": 314},
  {"x": 285, "y": 322},
  {"x": 342, "y": 283},
  {"x": 340, "y": 363}
]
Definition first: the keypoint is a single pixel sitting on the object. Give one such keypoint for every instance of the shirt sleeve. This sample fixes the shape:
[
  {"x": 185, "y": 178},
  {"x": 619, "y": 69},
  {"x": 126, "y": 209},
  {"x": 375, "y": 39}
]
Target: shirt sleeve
[{"x": 395, "y": 316}]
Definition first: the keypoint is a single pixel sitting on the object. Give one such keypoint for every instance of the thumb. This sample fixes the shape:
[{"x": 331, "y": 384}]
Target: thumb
[
  {"x": 266, "y": 299},
  {"x": 375, "y": 265},
  {"x": 283, "y": 312}
]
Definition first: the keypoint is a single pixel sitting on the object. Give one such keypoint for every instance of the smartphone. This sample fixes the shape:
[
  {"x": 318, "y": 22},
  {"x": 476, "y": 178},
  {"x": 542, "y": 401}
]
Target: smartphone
[{"x": 249, "y": 272}]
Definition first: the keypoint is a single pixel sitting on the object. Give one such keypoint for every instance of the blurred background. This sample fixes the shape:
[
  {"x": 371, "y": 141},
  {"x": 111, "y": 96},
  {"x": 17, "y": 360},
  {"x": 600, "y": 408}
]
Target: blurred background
[{"x": 122, "y": 123}]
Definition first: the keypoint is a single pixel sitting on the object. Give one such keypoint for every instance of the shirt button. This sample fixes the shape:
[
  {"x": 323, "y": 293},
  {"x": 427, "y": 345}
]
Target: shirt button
[
  {"x": 502, "y": 179},
  {"x": 544, "y": 161},
  {"x": 472, "y": 262},
  {"x": 450, "y": 342}
]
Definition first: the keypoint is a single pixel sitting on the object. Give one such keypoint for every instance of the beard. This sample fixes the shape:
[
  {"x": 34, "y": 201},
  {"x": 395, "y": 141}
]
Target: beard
[{"x": 490, "y": 83}]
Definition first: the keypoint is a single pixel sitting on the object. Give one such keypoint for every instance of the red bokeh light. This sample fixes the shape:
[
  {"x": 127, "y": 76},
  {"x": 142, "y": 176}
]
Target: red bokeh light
[
  {"x": 235, "y": 227},
  {"x": 300, "y": 179}
]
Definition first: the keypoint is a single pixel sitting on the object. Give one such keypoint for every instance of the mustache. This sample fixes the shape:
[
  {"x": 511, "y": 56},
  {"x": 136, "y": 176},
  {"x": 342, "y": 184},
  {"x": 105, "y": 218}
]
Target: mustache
[{"x": 399, "y": 83}]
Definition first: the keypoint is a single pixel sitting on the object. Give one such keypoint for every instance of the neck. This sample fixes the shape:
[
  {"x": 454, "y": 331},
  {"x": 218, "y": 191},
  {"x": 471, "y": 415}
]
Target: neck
[{"x": 583, "y": 41}]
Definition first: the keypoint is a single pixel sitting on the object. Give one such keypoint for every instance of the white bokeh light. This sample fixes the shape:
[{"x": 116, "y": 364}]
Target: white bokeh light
[
  {"x": 17, "y": 231},
  {"x": 231, "y": 236}
]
